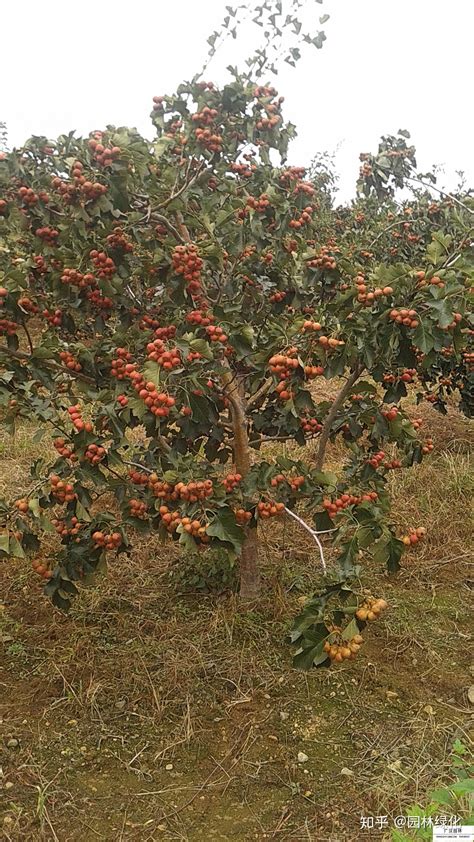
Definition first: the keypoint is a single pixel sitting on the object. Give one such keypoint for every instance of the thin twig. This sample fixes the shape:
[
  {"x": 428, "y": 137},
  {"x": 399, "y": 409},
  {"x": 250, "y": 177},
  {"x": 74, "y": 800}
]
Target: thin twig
[{"x": 313, "y": 534}]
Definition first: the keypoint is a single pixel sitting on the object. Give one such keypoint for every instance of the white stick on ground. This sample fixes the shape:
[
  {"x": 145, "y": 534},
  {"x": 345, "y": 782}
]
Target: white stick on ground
[{"x": 313, "y": 534}]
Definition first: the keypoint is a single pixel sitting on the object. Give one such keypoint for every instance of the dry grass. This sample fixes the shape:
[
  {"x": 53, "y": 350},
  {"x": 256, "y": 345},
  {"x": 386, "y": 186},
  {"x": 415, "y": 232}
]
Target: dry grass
[{"x": 142, "y": 676}]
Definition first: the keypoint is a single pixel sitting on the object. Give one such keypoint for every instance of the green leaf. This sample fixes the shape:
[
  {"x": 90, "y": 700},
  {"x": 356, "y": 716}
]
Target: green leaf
[
  {"x": 202, "y": 347},
  {"x": 311, "y": 656},
  {"x": 16, "y": 550},
  {"x": 225, "y": 528},
  {"x": 5, "y": 543},
  {"x": 423, "y": 339},
  {"x": 81, "y": 513},
  {"x": 152, "y": 371}
]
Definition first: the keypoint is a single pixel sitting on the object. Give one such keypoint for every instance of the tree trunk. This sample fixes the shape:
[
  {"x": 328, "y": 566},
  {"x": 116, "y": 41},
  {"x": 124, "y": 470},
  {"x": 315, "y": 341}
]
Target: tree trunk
[
  {"x": 249, "y": 573},
  {"x": 248, "y": 563}
]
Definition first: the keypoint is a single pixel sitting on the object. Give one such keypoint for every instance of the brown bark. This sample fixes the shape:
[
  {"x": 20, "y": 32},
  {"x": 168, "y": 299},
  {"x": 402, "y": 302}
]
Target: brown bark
[
  {"x": 337, "y": 403},
  {"x": 250, "y": 584},
  {"x": 249, "y": 572}
]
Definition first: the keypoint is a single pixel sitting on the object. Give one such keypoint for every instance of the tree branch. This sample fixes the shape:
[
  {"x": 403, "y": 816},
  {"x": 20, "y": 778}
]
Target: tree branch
[
  {"x": 441, "y": 192},
  {"x": 260, "y": 393},
  {"x": 313, "y": 534},
  {"x": 19, "y": 355},
  {"x": 337, "y": 403}
]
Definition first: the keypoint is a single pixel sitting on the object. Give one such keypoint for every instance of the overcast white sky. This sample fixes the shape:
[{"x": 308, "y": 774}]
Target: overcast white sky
[{"x": 385, "y": 65}]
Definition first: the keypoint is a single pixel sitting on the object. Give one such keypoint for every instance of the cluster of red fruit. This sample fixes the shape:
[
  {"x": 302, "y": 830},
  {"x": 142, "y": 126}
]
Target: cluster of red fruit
[
  {"x": 390, "y": 414},
  {"x": 276, "y": 297},
  {"x": 121, "y": 367},
  {"x": 167, "y": 359},
  {"x": 29, "y": 197},
  {"x": 186, "y": 262},
  {"x": 330, "y": 342},
  {"x": 48, "y": 234},
  {"x": 22, "y": 505},
  {"x": 107, "y": 541},
  {"x": 283, "y": 392},
  {"x": 209, "y": 139},
  {"x": 199, "y": 317},
  {"x": 168, "y": 332},
  {"x": 417, "y": 423},
  {"x": 76, "y": 418},
  {"x": 138, "y": 508},
  {"x": 334, "y": 506},
  {"x": 41, "y": 569},
  {"x": 8, "y": 327},
  {"x": 81, "y": 187},
  {"x": 304, "y": 187},
  {"x": 123, "y": 400},
  {"x": 90, "y": 190},
  {"x": 104, "y": 155},
  {"x": 174, "y": 519},
  {"x": 305, "y": 216},
  {"x": 245, "y": 170},
  {"x": 69, "y": 361},
  {"x": 95, "y": 453},
  {"x": 40, "y": 264},
  {"x": 54, "y": 317},
  {"x": 159, "y": 403},
  {"x": 138, "y": 477},
  {"x": 376, "y": 459},
  {"x": 295, "y": 483},
  {"x": 65, "y": 531},
  {"x": 284, "y": 364},
  {"x": 216, "y": 334},
  {"x": 270, "y": 509},
  {"x": 323, "y": 260},
  {"x": 427, "y": 447},
  {"x": 341, "y": 650},
  {"x": 309, "y": 325},
  {"x": 371, "y": 609},
  {"x": 100, "y": 302},
  {"x": 242, "y": 516},
  {"x": 119, "y": 240},
  {"x": 392, "y": 464},
  {"x": 62, "y": 491},
  {"x": 365, "y": 171},
  {"x": 406, "y": 376},
  {"x": 310, "y": 426},
  {"x": 260, "y": 203},
  {"x": 423, "y": 281},
  {"x": 312, "y": 371},
  {"x": 404, "y": 317},
  {"x": 291, "y": 174},
  {"x": 366, "y": 296},
  {"x": 105, "y": 265},
  {"x": 63, "y": 449},
  {"x": 231, "y": 481},
  {"x": 414, "y": 535},
  {"x": 78, "y": 279}
]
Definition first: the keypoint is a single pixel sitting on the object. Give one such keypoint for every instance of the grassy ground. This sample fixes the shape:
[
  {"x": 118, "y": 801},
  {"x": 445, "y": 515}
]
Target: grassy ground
[{"x": 152, "y": 713}]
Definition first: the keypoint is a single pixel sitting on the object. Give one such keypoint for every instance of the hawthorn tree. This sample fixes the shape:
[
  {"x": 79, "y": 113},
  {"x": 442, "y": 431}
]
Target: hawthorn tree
[{"x": 166, "y": 309}]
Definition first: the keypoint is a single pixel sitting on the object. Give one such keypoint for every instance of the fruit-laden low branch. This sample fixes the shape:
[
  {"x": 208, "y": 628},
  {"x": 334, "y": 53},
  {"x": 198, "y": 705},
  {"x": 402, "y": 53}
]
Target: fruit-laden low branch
[{"x": 22, "y": 357}]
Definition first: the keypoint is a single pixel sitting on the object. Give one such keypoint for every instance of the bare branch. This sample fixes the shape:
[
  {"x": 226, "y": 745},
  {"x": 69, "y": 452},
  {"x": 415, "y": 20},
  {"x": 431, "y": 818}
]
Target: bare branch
[
  {"x": 313, "y": 534},
  {"x": 337, "y": 403}
]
